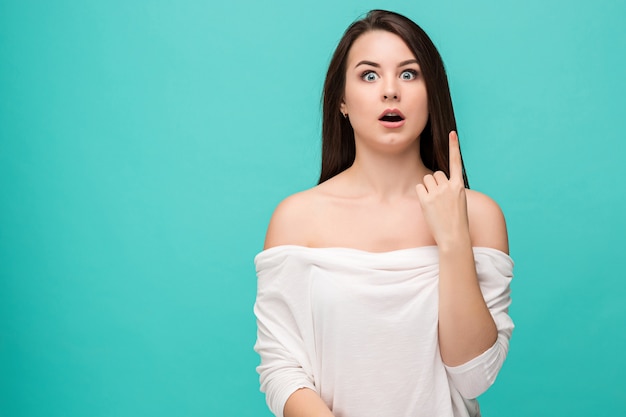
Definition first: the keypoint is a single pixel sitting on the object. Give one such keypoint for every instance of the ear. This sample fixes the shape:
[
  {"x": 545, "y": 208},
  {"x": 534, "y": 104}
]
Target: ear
[{"x": 343, "y": 108}]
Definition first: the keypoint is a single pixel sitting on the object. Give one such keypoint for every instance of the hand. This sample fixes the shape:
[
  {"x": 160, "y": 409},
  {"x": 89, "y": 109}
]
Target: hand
[{"x": 443, "y": 200}]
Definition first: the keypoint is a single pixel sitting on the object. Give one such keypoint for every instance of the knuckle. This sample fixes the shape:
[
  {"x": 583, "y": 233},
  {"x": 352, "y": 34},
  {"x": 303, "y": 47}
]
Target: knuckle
[{"x": 441, "y": 177}]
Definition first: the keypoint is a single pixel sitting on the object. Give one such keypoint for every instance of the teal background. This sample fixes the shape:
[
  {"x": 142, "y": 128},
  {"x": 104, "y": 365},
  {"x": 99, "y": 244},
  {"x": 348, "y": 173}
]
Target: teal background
[{"x": 144, "y": 145}]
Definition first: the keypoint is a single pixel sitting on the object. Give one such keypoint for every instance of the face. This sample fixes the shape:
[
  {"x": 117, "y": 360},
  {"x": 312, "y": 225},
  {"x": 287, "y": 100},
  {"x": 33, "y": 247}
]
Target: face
[{"x": 385, "y": 96}]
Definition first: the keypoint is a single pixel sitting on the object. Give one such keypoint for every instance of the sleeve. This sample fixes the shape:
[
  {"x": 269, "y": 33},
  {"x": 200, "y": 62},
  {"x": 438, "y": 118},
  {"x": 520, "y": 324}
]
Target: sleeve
[
  {"x": 495, "y": 272},
  {"x": 281, "y": 331}
]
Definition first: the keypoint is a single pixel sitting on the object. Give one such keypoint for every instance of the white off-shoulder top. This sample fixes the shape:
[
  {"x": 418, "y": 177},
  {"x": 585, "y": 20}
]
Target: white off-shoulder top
[{"x": 360, "y": 328}]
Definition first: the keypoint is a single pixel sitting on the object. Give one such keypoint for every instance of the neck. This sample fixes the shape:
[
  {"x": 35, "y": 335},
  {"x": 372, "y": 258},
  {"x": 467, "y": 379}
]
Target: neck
[{"x": 387, "y": 176}]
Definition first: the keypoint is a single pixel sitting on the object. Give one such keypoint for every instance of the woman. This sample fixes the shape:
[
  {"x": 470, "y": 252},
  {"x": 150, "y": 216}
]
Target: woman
[{"x": 384, "y": 290}]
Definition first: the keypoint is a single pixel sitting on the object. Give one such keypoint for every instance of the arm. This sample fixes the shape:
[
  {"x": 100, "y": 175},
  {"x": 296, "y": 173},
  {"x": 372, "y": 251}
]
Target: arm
[
  {"x": 495, "y": 272},
  {"x": 306, "y": 403},
  {"x": 285, "y": 370},
  {"x": 466, "y": 326}
]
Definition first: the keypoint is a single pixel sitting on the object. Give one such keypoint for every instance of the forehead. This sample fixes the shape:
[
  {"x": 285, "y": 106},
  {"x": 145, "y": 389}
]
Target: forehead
[{"x": 379, "y": 46}]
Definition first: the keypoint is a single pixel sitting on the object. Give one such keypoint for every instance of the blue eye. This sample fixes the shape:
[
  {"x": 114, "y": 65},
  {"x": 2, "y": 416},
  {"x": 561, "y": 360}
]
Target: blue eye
[
  {"x": 408, "y": 74},
  {"x": 369, "y": 76}
]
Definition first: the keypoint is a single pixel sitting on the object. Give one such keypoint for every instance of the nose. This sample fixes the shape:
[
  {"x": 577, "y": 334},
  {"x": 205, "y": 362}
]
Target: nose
[{"x": 390, "y": 90}]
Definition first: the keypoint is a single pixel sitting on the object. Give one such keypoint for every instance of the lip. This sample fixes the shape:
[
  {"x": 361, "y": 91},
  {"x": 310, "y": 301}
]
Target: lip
[
  {"x": 396, "y": 111},
  {"x": 392, "y": 125}
]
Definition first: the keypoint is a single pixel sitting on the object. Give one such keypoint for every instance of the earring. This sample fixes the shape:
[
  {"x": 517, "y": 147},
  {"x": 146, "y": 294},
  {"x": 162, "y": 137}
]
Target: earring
[{"x": 345, "y": 115}]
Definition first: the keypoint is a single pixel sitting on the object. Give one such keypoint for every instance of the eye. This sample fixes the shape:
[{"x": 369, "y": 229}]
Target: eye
[
  {"x": 409, "y": 74},
  {"x": 369, "y": 76}
]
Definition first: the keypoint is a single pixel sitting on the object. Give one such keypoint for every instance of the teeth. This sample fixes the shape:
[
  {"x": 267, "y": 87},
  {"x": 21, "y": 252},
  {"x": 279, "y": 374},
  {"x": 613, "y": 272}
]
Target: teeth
[{"x": 391, "y": 114}]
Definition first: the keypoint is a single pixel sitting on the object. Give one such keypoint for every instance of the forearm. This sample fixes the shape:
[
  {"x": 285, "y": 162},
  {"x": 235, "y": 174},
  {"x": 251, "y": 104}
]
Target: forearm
[
  {"x": 306, "y": 403},
  {"x": 466, "y": 327}
]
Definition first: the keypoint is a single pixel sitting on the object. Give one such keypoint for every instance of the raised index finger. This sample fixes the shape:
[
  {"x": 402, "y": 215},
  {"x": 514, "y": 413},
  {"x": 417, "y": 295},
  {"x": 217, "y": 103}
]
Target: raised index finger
[{"x": 456, "y": 166}]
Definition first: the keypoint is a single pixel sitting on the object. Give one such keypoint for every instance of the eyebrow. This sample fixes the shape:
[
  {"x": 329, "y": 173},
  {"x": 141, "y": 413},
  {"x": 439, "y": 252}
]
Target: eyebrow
[{"x": 374, "y": 64}]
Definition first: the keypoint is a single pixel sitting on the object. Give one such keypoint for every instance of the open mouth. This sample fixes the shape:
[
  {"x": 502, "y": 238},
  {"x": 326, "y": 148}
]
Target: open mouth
[{"x": 391, "y": 116}]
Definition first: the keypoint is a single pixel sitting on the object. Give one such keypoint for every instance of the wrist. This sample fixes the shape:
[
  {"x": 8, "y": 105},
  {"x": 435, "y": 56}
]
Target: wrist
[{"x": 455, "y": 243}]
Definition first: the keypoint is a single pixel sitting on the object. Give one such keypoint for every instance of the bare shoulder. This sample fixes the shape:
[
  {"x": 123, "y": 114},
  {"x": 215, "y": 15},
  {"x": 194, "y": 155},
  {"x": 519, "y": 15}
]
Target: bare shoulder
[
  {"x": 487, "y": 223},
  {"x": 290, "y": 222}
]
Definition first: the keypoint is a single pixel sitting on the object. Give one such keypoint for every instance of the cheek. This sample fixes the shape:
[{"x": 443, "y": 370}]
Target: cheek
[
  {"x": 349, "y": 97},
  {"x": 356, "y": 95},
  {"x": 421, "y": 104},
  {"x": 357, "y": 103}
]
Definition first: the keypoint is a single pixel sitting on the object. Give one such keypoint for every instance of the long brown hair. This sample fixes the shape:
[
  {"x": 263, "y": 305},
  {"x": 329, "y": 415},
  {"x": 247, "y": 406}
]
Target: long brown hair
[{"x": 338, "y": 148}]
